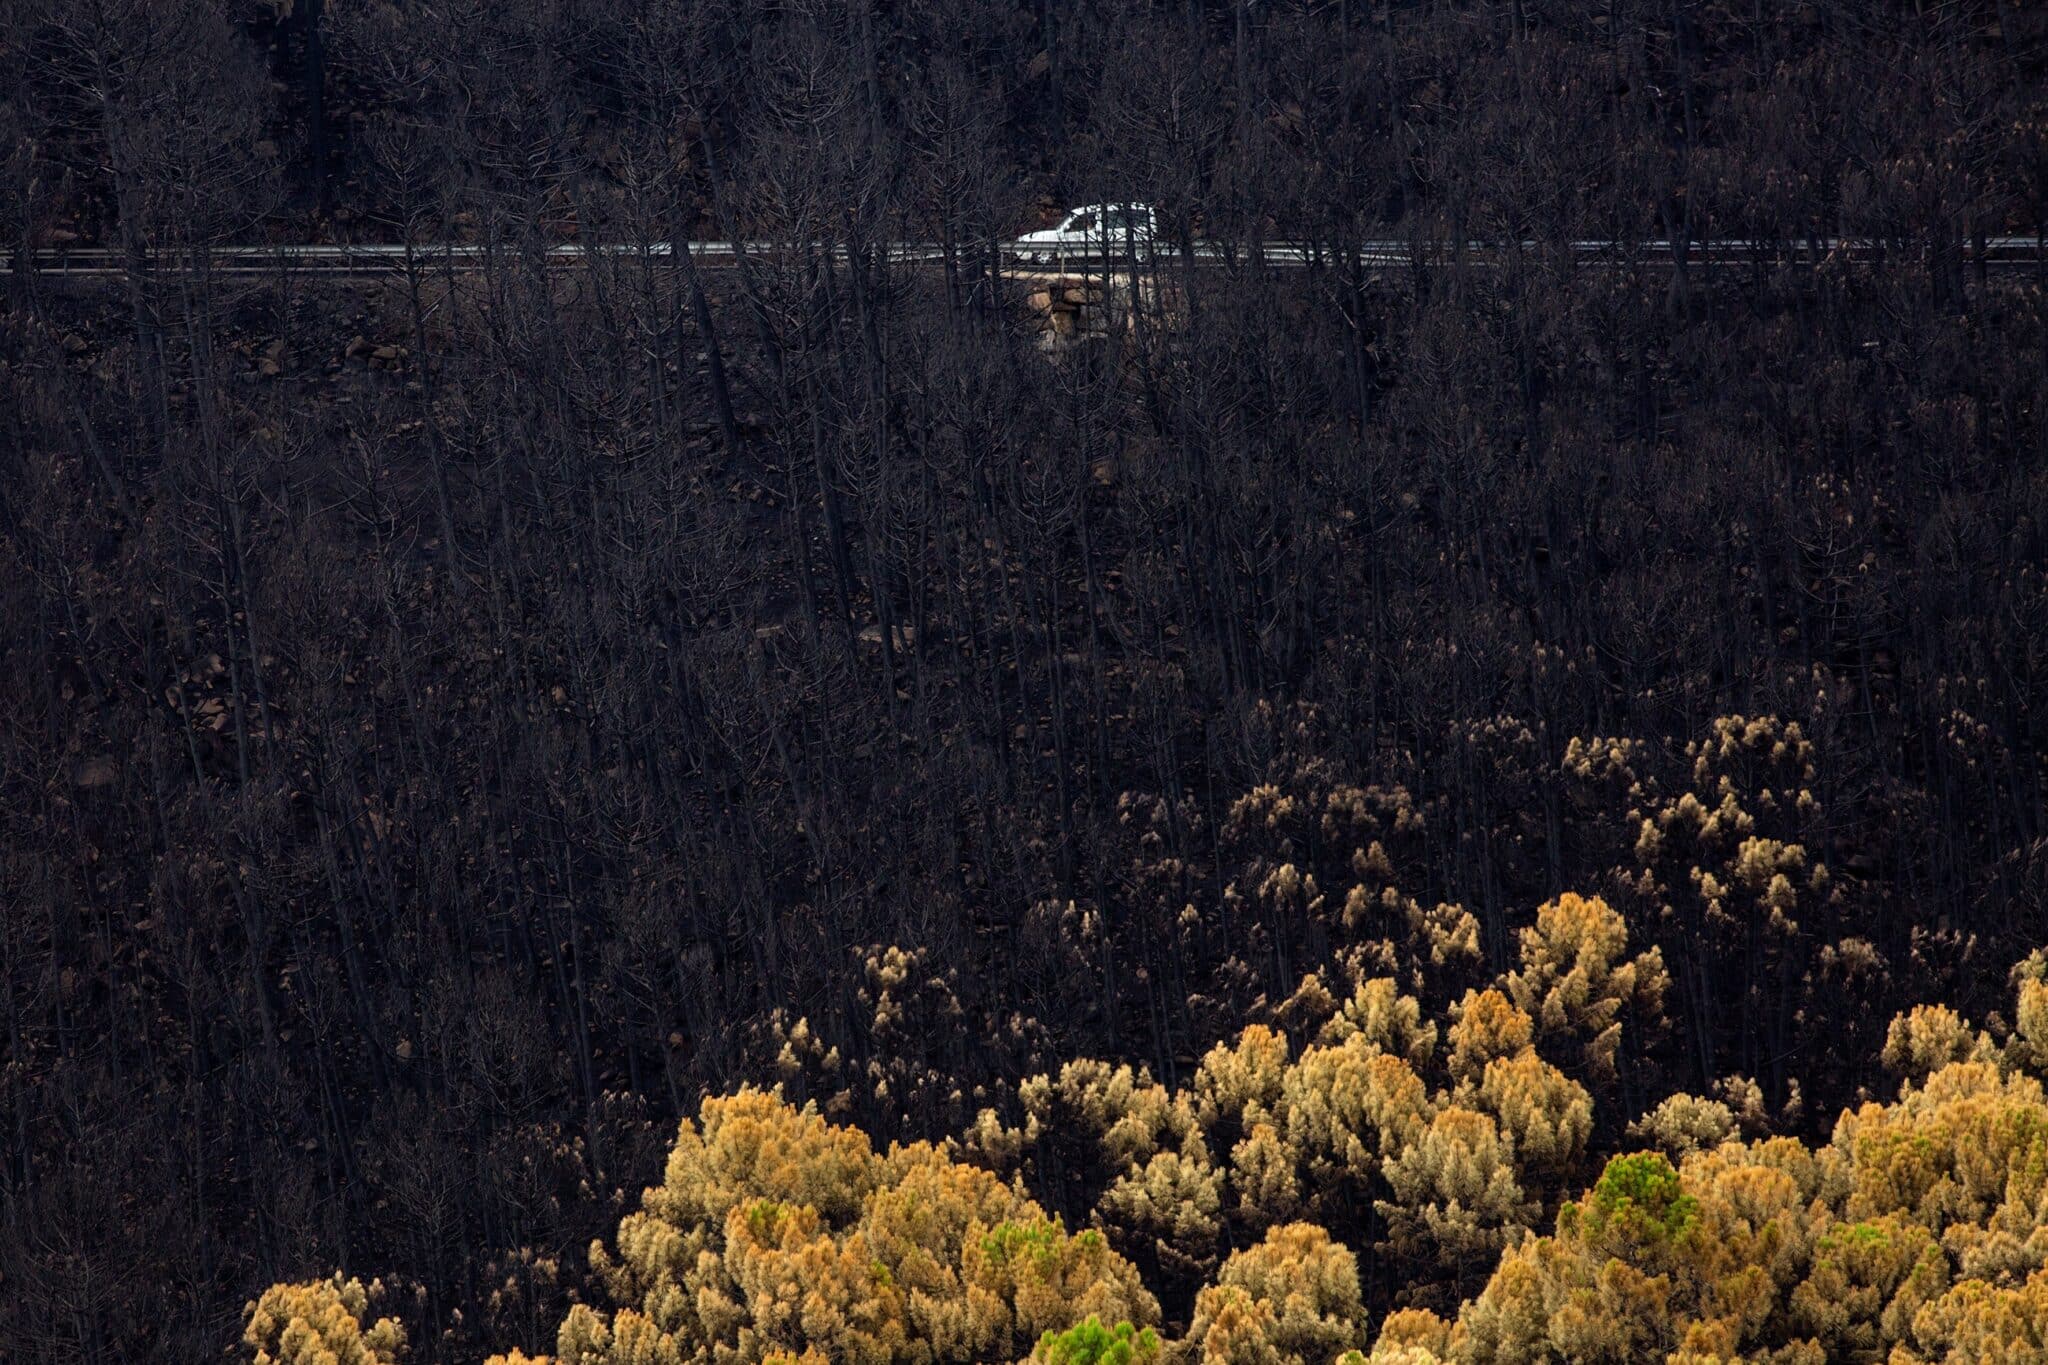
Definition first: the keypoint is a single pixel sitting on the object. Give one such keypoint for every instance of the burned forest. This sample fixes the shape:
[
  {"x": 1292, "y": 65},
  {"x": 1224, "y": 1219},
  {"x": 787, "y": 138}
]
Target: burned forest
[{"x": 1243, "y": 682}]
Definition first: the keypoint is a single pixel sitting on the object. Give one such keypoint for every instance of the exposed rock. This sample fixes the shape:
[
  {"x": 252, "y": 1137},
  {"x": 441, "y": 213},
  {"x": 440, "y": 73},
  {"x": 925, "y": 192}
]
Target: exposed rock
[{"x": 96, "y": 772}]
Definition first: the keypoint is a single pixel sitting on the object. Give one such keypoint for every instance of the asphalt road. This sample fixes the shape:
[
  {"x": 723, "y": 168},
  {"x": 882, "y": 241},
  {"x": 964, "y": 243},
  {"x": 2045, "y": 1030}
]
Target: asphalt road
[{"x": 363, "y": 261}]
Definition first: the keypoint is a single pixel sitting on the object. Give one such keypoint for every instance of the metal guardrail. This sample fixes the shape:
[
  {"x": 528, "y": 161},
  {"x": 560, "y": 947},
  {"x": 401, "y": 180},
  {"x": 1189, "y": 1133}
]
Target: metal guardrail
[{"x": 359, "y": 259}]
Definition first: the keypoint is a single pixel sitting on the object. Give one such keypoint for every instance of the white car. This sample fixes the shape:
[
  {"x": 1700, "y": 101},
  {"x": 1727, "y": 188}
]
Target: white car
[{"x": 1097, "y": 230}]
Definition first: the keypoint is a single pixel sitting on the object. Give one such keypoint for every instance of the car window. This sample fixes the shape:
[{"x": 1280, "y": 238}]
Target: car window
[{"x": 1081, "y": 222}]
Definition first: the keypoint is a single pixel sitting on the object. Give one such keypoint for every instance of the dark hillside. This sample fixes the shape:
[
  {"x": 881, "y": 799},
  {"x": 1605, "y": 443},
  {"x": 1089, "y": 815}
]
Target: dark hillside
[{"x": 462, "y": 719}]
